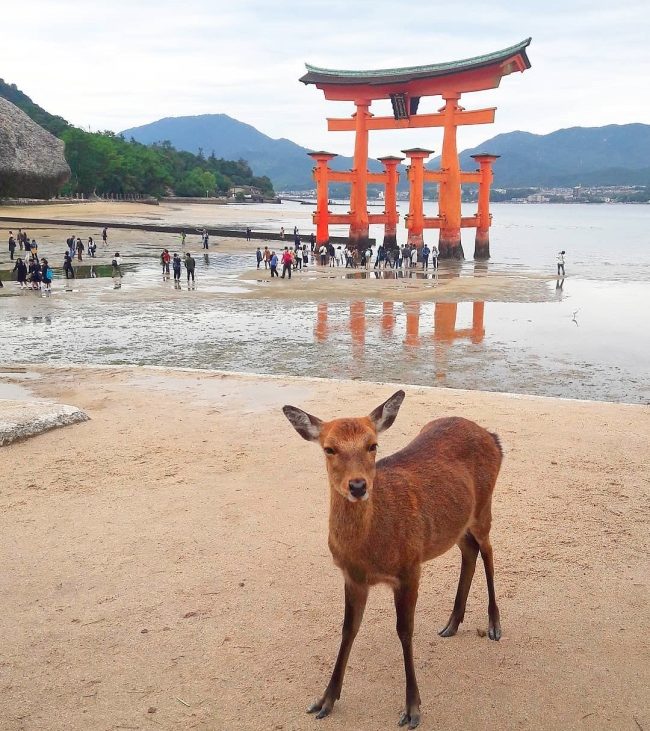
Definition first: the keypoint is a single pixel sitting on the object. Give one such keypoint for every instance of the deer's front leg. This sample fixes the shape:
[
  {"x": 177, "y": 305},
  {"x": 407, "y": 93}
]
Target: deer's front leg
[
  {"x": 355, "y": 603},
  {"x": 406, "y": 597}
]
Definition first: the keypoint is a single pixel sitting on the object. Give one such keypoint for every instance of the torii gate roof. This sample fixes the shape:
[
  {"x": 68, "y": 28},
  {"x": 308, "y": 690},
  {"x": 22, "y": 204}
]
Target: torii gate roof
[{"x": 469, "y": 74}]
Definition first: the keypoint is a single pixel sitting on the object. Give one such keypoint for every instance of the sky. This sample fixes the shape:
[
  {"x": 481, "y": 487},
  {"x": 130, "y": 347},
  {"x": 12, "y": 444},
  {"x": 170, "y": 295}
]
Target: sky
[{"x": 119, "y": 64}]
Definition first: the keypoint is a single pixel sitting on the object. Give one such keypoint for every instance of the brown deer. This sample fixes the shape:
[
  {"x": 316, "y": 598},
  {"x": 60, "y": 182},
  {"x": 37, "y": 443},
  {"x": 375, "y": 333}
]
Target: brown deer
[{"x": 388, "y": 517}]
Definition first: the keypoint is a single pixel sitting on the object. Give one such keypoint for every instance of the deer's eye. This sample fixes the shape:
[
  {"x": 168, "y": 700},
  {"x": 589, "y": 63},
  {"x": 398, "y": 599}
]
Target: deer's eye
[
  {"x": 372, "y": 448},
  {"x": 329, "y": 450}
]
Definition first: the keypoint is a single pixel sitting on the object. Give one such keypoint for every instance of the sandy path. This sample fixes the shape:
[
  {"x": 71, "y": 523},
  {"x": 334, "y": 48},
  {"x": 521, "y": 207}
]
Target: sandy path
[{"x": 171, "y": 554}]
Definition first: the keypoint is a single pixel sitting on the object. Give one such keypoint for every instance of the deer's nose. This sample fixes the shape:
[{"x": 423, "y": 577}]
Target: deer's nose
[{"x": 357, "y": 488}]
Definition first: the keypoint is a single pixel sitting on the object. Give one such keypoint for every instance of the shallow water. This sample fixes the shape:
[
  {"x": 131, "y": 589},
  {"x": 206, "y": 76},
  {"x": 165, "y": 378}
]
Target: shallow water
[{"x": 588, "y": 340}]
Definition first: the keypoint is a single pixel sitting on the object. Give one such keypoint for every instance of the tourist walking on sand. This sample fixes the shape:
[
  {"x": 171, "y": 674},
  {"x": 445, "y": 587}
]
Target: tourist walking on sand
[
  {"x": 116, "y": 263},
  {"x": 560, "y": 262},
  {"x": 206, "y": 239},
  {"x": 165, "y": 258},
  {"x": 21, "y": 273},
  {"x": 266, "y": 255},
  {"x": 12, "y": 245},
  {"x": 248, "y": 233},
  {"x": 46, "y": 275},
  {"x": 105, "y": 236},
  {"x": 323, "y": 254},
  {"x": 259, "y": 256},
  {"x": 19, "y": 237},
  {"x": 425, "y": 256},
  {"x": 368, "y": 256},
  {"x": 176, "y": 266},
  {"x": 80, "y": 249},
  {"x": 67, "y": 266},
  {"x": 282, "y": 233},
  {"x": 273, "y": 263},
  {"x": 34, "y": 274},
  {"x": 434, "y": 257},
  {"x": 190, "y": 266},
  {"x": 305, "y": 256},
  {"x": 183, "y": 236},
  {"x": 287, "y": 262}
]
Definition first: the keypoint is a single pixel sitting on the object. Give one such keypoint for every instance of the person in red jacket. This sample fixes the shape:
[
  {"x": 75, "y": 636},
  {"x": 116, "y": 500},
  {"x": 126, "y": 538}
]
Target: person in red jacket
[{"x": 287, "y": 262}]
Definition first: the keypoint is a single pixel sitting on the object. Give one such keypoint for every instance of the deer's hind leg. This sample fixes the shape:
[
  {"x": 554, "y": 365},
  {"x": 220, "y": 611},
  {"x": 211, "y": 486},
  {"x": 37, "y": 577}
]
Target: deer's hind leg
[
  {"x": 469, "y": 548},
  {"x": 494, "y": 626}
]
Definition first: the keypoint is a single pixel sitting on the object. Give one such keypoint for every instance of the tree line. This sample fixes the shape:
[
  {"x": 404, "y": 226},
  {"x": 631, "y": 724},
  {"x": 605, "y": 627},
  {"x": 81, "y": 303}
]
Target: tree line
[{"x": 103, "y": 163}]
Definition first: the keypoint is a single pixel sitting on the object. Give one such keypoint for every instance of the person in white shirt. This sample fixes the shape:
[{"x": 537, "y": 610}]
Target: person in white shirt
[
  {"x": 434, "y": 256},
  {"x": 560, "y": 262}
]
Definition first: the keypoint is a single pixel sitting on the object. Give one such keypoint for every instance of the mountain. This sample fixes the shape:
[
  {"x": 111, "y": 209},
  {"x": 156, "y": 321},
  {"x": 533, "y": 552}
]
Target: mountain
[
  {"x": 611, "y": 155},
  {"x": 285, "y": 162}
]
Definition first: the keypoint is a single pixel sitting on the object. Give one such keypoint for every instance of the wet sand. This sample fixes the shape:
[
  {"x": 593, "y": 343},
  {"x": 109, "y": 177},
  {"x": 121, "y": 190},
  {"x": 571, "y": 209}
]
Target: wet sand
[{"x": 165, "y": 564}]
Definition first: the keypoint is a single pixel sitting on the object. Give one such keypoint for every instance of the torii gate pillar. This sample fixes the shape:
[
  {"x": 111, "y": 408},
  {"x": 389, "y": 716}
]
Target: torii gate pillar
[
  {"x": 321, "y": 176},
  {"x": 390, "y": 164},
  {"x": 415, "y": 218},
  {"x": 482, "y": 241}
]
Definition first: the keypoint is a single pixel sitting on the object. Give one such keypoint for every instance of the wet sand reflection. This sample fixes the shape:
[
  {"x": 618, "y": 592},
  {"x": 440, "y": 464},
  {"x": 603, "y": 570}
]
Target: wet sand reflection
[{"x": 445, "y": 316}]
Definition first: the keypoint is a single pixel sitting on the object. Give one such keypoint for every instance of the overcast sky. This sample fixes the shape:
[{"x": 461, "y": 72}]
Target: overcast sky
[{"x": 119, "y": 64}]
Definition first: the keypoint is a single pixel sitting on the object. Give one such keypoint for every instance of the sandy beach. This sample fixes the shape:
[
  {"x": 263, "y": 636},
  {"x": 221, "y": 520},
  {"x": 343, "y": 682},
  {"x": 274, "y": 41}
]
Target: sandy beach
[{"x": 165, "y": 564}]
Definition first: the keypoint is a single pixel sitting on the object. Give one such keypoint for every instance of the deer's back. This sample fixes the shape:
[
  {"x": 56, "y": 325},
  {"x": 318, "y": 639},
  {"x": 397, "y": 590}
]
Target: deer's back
[{"x": 427, "y": 494}]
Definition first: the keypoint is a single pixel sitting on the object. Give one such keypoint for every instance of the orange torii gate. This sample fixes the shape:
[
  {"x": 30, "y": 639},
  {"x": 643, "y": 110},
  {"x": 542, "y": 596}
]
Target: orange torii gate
[{"x": 405, "y": 87}]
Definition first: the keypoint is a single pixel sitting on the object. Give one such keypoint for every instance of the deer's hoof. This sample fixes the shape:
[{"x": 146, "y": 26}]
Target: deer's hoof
[
  {"x": 494, "y": 631},
  {"x": 321, "y": 708},
  {"x": 450, "y": 629},
  {"x": 410, "y": 718}
]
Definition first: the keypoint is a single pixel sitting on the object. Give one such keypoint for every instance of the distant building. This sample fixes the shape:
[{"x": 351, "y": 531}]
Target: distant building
[{"x": 247, "y": 193}]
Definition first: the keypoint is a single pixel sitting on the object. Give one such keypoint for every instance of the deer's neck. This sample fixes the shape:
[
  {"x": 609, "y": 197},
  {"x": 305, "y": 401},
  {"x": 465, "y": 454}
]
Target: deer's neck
[{"x": 349, "y": 523}]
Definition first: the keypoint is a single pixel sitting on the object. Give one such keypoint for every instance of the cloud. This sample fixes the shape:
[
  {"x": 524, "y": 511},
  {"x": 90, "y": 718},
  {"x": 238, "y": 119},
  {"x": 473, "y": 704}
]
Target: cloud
[{"x": 120, "y": 64}]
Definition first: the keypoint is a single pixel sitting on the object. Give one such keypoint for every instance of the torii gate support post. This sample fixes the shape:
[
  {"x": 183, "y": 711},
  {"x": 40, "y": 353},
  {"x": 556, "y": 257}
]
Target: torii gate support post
[
  {"x": 482, "y": 241},
  {"x": 359, "y": 223},
  {"x": 321, "y": 176},
  {"x": 415, "y": 219},
  {"x": 449, "y": 199},
  {"x": 390, "y": 164}
]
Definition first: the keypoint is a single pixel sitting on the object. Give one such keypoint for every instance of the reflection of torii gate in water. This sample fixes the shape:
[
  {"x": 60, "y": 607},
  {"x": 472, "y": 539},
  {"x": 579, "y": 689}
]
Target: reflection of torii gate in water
[
  {"x": 444, "y": 319},
  {"x": 405, "y": 87}
]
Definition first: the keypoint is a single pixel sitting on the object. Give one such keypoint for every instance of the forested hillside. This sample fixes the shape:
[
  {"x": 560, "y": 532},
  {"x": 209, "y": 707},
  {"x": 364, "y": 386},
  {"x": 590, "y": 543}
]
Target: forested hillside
[{"x": 106, "y": 163}]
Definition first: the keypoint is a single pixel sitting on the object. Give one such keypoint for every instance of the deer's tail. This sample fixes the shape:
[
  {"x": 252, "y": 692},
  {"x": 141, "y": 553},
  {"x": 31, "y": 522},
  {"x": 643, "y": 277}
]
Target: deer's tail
[{"x": 497, "y": 441}]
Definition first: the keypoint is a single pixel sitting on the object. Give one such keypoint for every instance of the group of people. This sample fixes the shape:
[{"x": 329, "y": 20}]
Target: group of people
[
  {"x": 300, "y": 257},
  {"x": 33, "y": 272},
  {"x": 175, "y": 261},
  {"x": 22, "y": 242}
]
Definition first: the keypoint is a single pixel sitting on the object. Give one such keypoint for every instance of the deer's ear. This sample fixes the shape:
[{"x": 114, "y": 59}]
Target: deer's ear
[
  {"x": 305, "y": 424},
  {"x": 384, "y": 416}
]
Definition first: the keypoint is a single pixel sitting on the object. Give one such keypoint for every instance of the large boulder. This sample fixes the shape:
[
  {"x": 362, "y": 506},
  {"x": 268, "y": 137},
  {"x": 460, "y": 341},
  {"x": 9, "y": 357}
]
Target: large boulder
[{"x": 32, "y": 163}]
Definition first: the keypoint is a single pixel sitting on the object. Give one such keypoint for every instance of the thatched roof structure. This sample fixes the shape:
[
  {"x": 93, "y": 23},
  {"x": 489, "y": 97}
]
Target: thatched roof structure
[{"x": 32, "y": 164}]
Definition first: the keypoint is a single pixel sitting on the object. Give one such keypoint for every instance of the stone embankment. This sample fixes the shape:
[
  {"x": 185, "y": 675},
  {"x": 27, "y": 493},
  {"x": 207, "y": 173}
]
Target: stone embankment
[{"x": 23, "y": 419}]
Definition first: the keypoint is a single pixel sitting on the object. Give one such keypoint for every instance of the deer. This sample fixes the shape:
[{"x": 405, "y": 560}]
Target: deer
[{"x": 388, "y": 516}]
